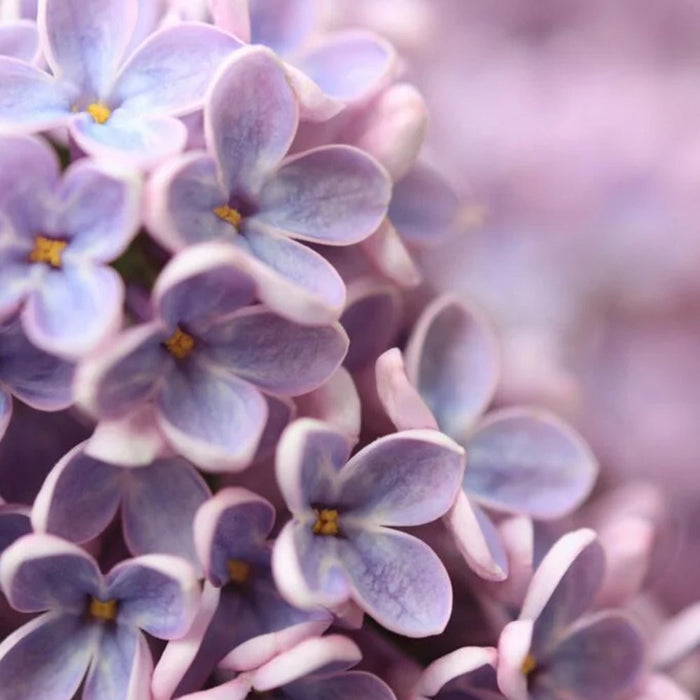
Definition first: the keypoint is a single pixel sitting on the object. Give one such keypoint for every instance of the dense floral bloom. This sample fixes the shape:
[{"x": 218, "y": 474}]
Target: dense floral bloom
[
  {"x": 315, "y": 668},
  {"x": 94, "y": 623},
  {"x": 521, "y": 460},
  {"x": 157, "y": 502},
  {"x": 245, "y": 191},
  {"x": 243, "y": 617},
  {"x": 206, "y": 358},
  {"x": 58, "y": 234},
  {"x": 341, "y": 545},
  {"x": 32, "y": 375},
  {"x": 115, "y": 105},
  {"x": 554, "y": 648}
]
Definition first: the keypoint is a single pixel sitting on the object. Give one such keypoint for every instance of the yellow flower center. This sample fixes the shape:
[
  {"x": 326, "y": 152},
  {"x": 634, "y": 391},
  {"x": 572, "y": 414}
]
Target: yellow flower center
[
  {"x": 238, "y": 571},
  {"x": 232, "y": 216},
  {"x": 103, "y": 609},
  {"x": 326, "y": 522},
  {"x": 529, "y": 665},
  {"x": 180, "y": 344},
  {"x": 47, "y": 250},
  {"x": 99, "y": 112}
]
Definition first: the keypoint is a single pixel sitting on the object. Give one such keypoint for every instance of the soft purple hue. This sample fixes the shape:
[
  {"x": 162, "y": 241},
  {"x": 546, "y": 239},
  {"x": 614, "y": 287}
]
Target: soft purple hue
[
  {"x": 555, "y": 648},
  {"x": 244, "y": 190},
  {"x": 404, "y": 479},
  {"x": 48, "y": 657},
  {"x": 116, "y": 104},
  {"x": 57, "y": 235},
  {"x": 208, "y": 393},
  {"x": 19, "y": 40}
]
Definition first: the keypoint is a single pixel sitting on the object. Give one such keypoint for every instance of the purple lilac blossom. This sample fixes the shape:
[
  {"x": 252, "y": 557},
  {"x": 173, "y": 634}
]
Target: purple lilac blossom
[
  {"x": 32, "y": 375},
  {"x": 156, "y": 501},
  {"x": 340, "y": 544},
  {"x": 244, "y": 621},
  {"x": 244, "y": 190},
  {"x": 555, "y": 648},
  {"x": 58, "y": 234},
  {"x": 19, "y": 40},
  {"x": 314, "y": 669},
  {"x": 521, "y": 459},
  {"x": 94, "y": 624},
  {"x": 118, "y": 106},
  {"x": 206, "y": 358}
]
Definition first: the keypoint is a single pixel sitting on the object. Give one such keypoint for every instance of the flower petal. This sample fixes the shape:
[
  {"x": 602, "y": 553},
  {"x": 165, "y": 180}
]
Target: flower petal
[
  {"x": 528, "y": 461},
  {"x": 398, "y": 580},
  {"x": 121, "y": 668},
  {"x": 466, "y": 667},
  {"x": 564, "y": 586},
  {"x": 158, "y": 509},
  {"x": 40, "y": 572},
  {"x": 75, "y": 309},
  {"x": 78, "y": 498},
  {"x": 19, "y": 40},
  {"x": 14, "y": 522},
  {"x": 232, "y": 16},
  {"x": 345, "y": 686},
  {"x": 213, "y": 419},
  {"x": 250, "y": 134},
  {"x": 157, "y": 593},
  {"x": 46, "y": 658},
  {"x": 600, "y": 658},
  {"x": 678, "y": 638},
  {"x": 335, "y": 195},
  {"x": 84, "y": 44},
  {"x": 182, "y": 196},
  {"x": 274, "y": 354},
  {"x": 452, "y": 360},
  {"x": 100, "y": 211},
  {"x": 309, "y": 456},
  {"x": 477, "y": 539},
  {"x": 122, "y": 376},
  {"x": 130, "y": 139},
  {"x": 388, "y": 254},
  {"x": 513, "y": 647},
  {"x": 30, "y": 99},
  {"x": 37, "y": 378},
  {"x": 282, "y": 26},
  {"x": 350, "y": 65},
  {"x": 171, "y": 71},
  {"x": 280, "y": 412},
  {"x": 5, "y": 410},
  {"x": 408, "y": 478}
]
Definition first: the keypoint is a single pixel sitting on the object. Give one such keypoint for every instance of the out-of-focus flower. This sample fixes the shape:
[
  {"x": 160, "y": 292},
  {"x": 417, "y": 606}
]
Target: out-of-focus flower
[
  {"x": 554, "y": 648},
  {"x": 19, "y": 40},
  {"x": 340, "y": 544},
  {"x": 116, "y": 106},
  {"x": 32, "y": 375},
  {"x": 521, "y": 460},
  {"x": 94, "y": 623},
  {"x": 243, "y": 617},
  {"x": 245, "y": 192},
  {"x": 315, "y": 668},
  {"x": 206, "y": 358},
  {"x": 58, "y": 234}
]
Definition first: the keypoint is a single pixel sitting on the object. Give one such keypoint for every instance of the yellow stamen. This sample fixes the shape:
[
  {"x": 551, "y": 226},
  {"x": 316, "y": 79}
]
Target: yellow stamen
[
  {"x": 180, "y": 344},
  {"x": 529, "y": 665},
  {"x": 238, "y": 571},
  {"x": 103, "y": 609},
  {"x": 47, "y": 250},
  {"x": 99, "y": 112},
  {"x": 326, "y": 522},
  {"x": 226, "y": 213}
]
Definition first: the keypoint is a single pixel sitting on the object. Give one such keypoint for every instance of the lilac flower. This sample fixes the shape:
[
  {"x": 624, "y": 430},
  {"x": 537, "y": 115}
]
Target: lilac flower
[
  {"x": 468, "y": 673},
  {"x": 554, "y": 649},
  {"x": 205, "y": 359},
  {"x": 157, "y": 502},
  {"x": 32, "y": 375},
  {"x": 243, "y": 191},
  {"x": 58, "y": 233},
  {"x": 115, "y": 107},
  {"x": 19, "y": 40},
  {"x": 243, "y": 617},
  {"x": 14, "y": 522},
  {"x": 340, "y": 544},
  {"x": 521, "y": 460},
  {"x": 94, "y": 623},
  {"x": 315, "y": 668}
]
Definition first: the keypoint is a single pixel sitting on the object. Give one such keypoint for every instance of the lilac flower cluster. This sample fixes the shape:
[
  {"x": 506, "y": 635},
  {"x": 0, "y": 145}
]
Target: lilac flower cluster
[{"x": 211, "y": 215}]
